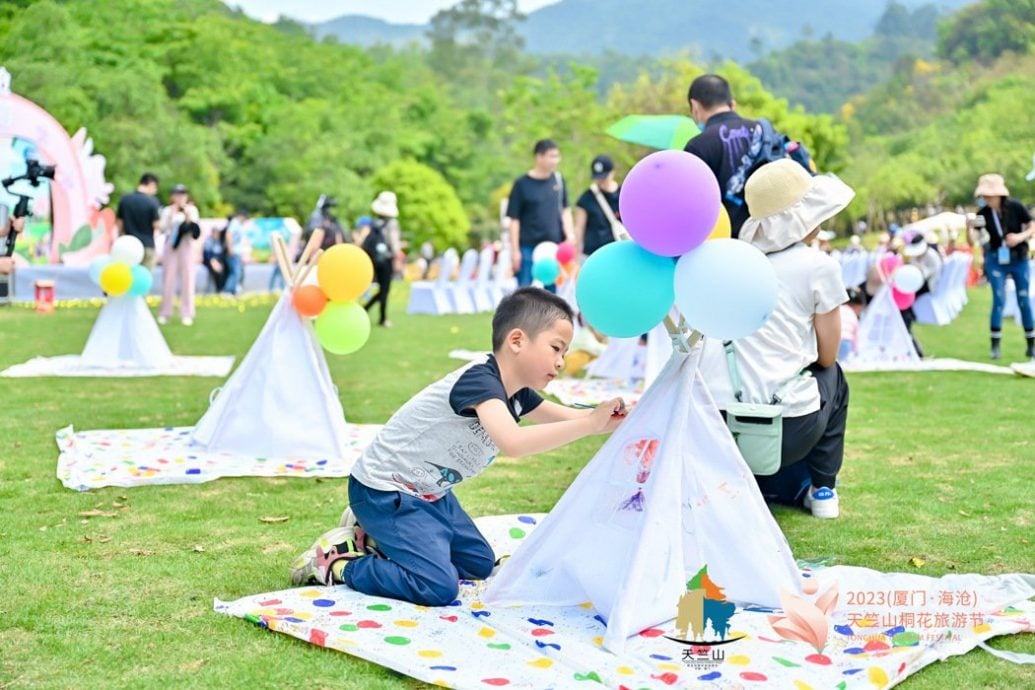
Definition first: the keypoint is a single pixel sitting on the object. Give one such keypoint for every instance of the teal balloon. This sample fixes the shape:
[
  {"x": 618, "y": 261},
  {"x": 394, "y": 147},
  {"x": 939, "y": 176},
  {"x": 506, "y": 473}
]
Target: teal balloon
[
  {"x": 624, "y": 291},
  {"x": 342, "y": 327},
  {"x": 142, "y": 281},
  {"x": 726, "y": 289},
  {"x": 546, "y": 271},
  {"x": 97, "y": 266}
]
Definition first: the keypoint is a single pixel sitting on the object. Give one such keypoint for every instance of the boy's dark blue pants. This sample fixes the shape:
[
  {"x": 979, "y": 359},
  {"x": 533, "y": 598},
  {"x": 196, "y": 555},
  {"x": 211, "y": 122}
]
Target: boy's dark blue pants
[{"x": 430, "y": 546}]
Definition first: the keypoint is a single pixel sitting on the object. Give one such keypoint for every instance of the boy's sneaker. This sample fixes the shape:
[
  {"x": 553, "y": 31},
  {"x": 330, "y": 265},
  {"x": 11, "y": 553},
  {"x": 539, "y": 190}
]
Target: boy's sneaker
[
  {"x": 822, "y": 502},
  {"x": 313, "y": 566},
  {"x": 364, "y": 542}
]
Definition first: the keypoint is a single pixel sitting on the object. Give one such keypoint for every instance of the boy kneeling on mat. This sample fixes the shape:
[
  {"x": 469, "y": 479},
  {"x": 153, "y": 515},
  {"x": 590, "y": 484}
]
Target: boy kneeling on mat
[{"x": 416, "y": 542}]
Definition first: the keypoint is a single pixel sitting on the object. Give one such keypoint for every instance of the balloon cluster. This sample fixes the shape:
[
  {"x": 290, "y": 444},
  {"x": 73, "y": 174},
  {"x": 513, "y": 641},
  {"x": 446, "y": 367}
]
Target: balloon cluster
[
  {"x": 671, "y": 207},
  {"x": 552, "y": 261},
  {"x": 120, "y": 272},
  {"x": 905, "y": 282},
  {"x": 343, "y": 273}
]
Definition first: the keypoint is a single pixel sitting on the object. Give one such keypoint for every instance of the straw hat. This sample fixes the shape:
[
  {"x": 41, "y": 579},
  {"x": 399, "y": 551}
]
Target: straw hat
[
  {"x": 386, "y": 205},
  {"x": 991, "y": 185},
  {"x": 787, "y": 204}
]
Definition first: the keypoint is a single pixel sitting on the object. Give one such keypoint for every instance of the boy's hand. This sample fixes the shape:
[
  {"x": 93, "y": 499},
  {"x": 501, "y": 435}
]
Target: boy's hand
[{"x": 608, "y": 415}]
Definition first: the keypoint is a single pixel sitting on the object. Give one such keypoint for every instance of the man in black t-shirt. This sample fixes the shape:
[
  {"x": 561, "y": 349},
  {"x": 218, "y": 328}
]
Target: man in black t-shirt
[
  {"x": 138, "y": 214},
  {"x": 538, "y": 210},
  {"x": 724, "y": 139},
  {"x": 593, "y": 227}
]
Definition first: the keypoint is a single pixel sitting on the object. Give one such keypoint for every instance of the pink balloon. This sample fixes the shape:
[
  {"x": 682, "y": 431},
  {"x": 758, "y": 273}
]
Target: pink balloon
[
  {"x": 670, "y": 202},
  {"x": 903, "y": 300},
  {"x": 889, "y": 262},
  {"x": 565, "y": 252}
]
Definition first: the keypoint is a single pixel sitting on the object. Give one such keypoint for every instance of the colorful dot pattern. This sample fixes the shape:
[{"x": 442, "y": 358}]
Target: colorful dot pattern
[
  {"x": 471, "y": 645},
  {"x": 139, "y": 457},
  {"x": 594, "y": 391}
]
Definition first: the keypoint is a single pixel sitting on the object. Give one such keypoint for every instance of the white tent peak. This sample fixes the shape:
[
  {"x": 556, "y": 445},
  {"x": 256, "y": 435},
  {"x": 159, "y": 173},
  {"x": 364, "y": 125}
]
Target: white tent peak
[
  {"x": 667, "y": 494},
  {"x": 280, "y": 402},
  {"x": 883, "y": 337},
  {"x": 125, "y": 334}
]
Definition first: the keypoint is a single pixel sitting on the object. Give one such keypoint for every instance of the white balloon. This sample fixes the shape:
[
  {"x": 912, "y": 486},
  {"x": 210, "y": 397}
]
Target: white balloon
[
  {"x": 908, "y": 279},
  {"x": 725, "y": 288},
  {"x": 97, "y": 266},
  {"x": 544, "y": 250},
  {"x": 128, "y": 249}
]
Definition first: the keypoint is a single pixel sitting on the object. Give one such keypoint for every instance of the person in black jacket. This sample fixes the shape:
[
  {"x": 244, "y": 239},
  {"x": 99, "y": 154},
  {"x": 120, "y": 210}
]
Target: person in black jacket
[{"x": 381, "y": 243}]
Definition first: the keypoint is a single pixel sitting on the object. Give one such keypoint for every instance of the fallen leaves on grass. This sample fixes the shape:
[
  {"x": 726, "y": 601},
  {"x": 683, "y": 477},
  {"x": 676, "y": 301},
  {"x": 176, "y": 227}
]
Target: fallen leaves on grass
[
  {"x": 270, "y": 519},
  {"x": 917, "y": 562},
  {"x": 198, "y": 548},
  {"x": 98, "y": 513},
  {"x": 141, "y": 552}
]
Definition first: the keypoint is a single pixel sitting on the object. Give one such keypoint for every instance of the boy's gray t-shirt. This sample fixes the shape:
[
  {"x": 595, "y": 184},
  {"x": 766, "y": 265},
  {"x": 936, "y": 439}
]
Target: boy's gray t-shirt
[{"x": 435, "y": 441}]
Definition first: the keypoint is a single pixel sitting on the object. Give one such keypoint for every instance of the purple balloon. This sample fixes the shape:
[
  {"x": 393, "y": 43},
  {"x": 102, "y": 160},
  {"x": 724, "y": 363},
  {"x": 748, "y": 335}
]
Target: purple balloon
[{"x": 670, "y": 202}]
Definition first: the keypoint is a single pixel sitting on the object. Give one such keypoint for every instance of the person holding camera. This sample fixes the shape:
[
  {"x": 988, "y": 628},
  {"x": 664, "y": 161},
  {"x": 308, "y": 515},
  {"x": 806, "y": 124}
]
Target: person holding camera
[
  {"x": 1009, "y": 227},
  {"x": 179, "y": 224}
]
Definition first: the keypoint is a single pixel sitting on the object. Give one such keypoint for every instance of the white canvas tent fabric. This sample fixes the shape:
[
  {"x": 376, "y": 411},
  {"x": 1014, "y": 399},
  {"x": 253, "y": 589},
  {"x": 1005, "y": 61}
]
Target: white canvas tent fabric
[
  {"x": 124, "y": 342},
  {"x": 623, "y": 359},
  {"x": 662, "y": 498},
  {"x": 883, "y": 337},
  {"x": 280, "y": 402},
  {"x": 125, "y": 331},
  {"x": 885, "y": 345}
]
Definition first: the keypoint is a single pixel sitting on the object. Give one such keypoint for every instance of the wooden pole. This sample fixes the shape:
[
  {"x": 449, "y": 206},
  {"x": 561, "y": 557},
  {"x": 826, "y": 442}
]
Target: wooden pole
[{"x": 303, "y": 271}]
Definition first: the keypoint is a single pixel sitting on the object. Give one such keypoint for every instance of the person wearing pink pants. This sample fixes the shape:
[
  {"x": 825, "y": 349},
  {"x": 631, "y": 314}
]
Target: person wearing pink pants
[{"x": 178, "y": 257}]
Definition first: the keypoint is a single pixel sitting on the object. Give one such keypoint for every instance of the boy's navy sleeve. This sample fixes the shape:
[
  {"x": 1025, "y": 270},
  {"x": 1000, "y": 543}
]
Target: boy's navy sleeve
[
  {"x": 475, "y": 386},
  {"x": 528, "y": 399}
]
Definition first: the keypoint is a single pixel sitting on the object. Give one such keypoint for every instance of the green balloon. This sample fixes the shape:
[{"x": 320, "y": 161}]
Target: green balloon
[{"x": 342, "y": 327}]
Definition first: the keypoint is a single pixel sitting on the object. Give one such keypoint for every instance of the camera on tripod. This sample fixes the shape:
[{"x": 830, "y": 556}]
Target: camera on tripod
[{"x": 34, "y": 170}]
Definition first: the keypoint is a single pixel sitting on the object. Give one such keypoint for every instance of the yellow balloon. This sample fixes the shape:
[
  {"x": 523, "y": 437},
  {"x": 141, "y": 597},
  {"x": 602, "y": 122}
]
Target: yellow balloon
[
  {"x": 721, "y": 231},
  {"x": 116, "y": 278},
  {"x": 344, "y": 272}
]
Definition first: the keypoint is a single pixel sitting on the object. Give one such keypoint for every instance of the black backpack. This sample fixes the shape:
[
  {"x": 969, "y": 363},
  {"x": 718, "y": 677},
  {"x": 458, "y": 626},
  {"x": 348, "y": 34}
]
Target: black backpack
[
  {"x": 767, "y": 145},
  {"x": 375, "y": 244}
]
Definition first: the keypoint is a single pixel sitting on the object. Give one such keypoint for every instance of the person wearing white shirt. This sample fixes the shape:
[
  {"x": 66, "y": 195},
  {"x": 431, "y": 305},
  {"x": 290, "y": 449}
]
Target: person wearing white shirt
[{"x": 793, "y": 356}]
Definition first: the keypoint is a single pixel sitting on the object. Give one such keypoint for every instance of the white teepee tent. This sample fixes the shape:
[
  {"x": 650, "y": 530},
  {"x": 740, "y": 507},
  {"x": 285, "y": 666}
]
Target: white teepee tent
[
  {"x": 624, "y": 359},
  {"x": 883, "y": 337},
  {"x": 667, "y": 494},
  {"x": 280, "y": 402},
  {"x": 125, "y": 334}
]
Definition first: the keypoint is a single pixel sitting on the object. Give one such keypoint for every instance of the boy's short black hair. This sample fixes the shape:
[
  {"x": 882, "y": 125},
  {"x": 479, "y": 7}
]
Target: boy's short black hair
[
  {"x": 531, "y": 309},
  {"x": 710, "y": 90},
  {"x": 148, "y": 178},
  {"x": 544, "y": 146}
]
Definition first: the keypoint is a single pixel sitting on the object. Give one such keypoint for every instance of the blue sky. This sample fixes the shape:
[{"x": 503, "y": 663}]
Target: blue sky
[{"x": 398, "y": 11}]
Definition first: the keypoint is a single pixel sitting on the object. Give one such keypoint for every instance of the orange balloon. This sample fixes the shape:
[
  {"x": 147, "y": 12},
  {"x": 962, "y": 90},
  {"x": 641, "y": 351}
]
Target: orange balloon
[
  {"x": 722, "y": 229},
  {"x": 309, "y": 300}
]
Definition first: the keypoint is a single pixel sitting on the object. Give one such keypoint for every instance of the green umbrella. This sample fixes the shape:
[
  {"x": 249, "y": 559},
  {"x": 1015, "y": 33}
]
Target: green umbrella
[{"x": 656, "y": 131}]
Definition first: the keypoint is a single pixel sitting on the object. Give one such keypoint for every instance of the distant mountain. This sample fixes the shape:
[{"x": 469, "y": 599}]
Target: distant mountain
[
  {"x": 738, "y": 29},
  {"x": 361, "y": 30}
]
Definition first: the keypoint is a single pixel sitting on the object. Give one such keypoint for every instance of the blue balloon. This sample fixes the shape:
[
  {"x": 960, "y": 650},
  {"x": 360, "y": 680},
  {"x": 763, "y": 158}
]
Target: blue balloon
[
  {"x": 142, "y": 281},
  {"x": 623, "y": 290},
  {"x": 546, "y": 271},
  {"x": 97, "y": 266},
  {"x": 725, "y": 288}
]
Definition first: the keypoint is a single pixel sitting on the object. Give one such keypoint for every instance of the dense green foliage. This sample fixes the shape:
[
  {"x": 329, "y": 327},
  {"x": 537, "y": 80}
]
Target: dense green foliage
[{"x": 429, "y": 209}]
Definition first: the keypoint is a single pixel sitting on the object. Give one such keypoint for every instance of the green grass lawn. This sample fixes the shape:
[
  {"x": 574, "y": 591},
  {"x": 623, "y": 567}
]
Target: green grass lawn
[{"x": 939, "y": 468}]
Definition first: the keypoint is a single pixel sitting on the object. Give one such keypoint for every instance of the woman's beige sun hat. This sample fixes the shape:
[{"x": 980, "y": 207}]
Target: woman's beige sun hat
[
  {"x": 787, "y": 204},
  {"x": 991, "y": 185}
]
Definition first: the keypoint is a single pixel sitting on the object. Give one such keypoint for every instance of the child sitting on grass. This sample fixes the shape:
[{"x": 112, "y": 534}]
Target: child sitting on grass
[{"x": 416, "y": 542}]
